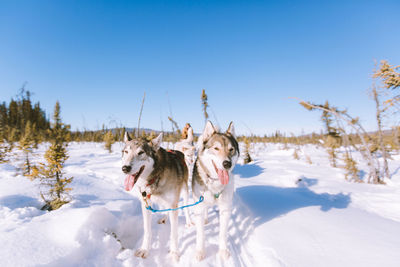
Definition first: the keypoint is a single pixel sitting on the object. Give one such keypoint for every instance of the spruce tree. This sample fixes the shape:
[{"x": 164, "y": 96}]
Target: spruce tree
[
  {"x": 13, "y": 118},
  {"x": 51, "y": 174},
  {"x": 13, "y": 136},
  {"x": 247, "y": 158},
  {"x": 5, "y": 149},
  {"x": 390, "y": 76},
  {"x": 351, "y": 168},
  {"x": 3, "y": 122},
  {"x": 343, "y": 117},
  {"x": 204, "y": 103},
  {"x": 332, "y": 139},
  {"x": 152, "y": 135},
  {"x": 108, "y": 140},
  {"x": 36, "y": 138},
  {"x": 26, "y": 145}
]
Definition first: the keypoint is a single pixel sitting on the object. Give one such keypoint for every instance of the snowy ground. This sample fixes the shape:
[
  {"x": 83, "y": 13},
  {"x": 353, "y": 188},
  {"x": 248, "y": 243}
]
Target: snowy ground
[{"x": 277, "y": 221}]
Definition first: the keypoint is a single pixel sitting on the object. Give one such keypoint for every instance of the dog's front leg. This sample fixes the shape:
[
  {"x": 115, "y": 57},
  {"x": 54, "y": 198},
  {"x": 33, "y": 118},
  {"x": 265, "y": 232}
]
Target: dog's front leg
[
  {"x": 173, "y": 216},
  {"x": 200, "y": 210},
  {"x": 143, "y": 251},
  {"x": 189, "y": 222},
  {"x": 224, "y": 216}
]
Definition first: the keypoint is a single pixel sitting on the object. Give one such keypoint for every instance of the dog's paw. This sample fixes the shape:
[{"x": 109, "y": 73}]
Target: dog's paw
[
  {"x": 224, "y": 254},
  {"x": 142, "y": 253},
  {"x": 174, "y": 255},
  {"x": 163, "y": 220},
  {"x": 200, "y": 255}
]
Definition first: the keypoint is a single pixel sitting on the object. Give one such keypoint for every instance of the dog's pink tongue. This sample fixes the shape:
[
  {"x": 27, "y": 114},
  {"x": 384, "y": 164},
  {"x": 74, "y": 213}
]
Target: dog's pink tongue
[
  {"x": 223, "y": 176},
  {"x": 129, "y": 182}
]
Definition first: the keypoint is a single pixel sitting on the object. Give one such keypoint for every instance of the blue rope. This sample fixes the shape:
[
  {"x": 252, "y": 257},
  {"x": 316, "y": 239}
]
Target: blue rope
[{"x": 178, "y": 208}]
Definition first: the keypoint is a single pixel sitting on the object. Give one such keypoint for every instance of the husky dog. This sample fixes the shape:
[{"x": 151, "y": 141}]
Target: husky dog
[
  {"x": 159, "y": 177},
  {"x": 212, "y": 179},
  {"x": 185, "y": 145}
]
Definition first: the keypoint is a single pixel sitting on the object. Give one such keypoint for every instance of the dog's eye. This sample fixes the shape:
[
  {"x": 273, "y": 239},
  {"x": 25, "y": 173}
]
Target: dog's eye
[
  {"x": 140, "y": 153},
  {"x": 126, "y": 151},
  {"x": 216, "y": 148},
  {"x": 231, "y": 150}
]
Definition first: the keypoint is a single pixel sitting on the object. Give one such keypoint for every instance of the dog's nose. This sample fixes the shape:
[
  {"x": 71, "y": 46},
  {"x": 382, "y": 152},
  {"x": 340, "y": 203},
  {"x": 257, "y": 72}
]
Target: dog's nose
[
  {"x": 126, "y": 168},
  {"x": 227, "y": 164}
]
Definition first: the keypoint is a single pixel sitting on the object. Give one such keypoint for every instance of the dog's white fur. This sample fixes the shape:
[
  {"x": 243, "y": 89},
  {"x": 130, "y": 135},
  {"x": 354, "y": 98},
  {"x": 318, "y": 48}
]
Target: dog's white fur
[
  {"x": 132, "y": 159},
  {"x": 224, "y": 201}
]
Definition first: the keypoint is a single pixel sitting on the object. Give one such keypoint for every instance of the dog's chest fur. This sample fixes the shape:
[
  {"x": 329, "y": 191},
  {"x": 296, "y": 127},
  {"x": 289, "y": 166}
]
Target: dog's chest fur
[{"x": 211, "y": 190}]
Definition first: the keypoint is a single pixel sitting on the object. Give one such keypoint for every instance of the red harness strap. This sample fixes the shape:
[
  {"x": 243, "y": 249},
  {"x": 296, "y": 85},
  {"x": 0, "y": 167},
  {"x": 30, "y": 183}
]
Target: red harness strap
[{"x": 152, "y": 181}]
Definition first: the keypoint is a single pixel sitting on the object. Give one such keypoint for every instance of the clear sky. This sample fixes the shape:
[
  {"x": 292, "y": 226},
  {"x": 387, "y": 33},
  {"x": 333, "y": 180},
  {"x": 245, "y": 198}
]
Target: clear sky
[{"x": 98, "y": 57}]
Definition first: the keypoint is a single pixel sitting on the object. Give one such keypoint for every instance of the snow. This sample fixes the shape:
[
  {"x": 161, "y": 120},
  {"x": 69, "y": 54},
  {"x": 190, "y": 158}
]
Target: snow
[{"x": 286, "y": 212}]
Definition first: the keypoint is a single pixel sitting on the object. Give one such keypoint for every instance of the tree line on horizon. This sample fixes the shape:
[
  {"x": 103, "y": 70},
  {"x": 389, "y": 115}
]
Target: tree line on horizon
[{"x": 23, "y": 125}]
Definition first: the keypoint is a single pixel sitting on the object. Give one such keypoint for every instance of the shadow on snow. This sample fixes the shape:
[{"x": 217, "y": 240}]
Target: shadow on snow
[
  {"x": 269, "y": 202},
  {"x": 248, "y": 170},
  {"x": 19, "y": 201}
]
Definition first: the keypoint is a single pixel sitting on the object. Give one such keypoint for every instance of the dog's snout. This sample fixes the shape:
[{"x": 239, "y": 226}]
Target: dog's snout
[
  {"x": 227, "y": 164},
  {"x": 126, "y": 168}
]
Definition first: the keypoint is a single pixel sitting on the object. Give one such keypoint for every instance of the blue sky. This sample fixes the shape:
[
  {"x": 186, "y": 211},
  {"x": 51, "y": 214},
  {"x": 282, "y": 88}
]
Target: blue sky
[{"x": 98, "y": 57}]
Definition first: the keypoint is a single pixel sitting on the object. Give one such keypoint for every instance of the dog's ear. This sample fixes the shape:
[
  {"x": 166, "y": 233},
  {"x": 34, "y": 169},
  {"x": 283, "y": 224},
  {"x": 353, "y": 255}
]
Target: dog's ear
[
  {"x": 127, "y": 137},
  {"x": 209, "y": 130},
  {"x": 231, "y": 130},
  {"x": 156, "y": 142}
]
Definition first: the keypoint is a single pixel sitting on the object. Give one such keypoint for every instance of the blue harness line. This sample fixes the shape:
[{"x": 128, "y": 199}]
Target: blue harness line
[{"x": 178, "y": 208}]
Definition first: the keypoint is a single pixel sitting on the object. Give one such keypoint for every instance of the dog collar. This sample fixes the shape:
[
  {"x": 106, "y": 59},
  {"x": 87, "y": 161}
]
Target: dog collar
[
  {"x": 146, "y": 194},
  {"x": 216, "y": 195},
  {"x": 152, "y": 181}
]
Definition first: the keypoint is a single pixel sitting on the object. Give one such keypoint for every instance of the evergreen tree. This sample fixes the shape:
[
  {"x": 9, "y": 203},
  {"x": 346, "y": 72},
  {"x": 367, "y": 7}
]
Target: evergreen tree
[
  {"x": 332, "y": 139},
  {"x": 5, "y": 149},
  {"x": 35, "y": 137},
  {"x": 26, "y": 145},
  {"x": 3, "y": 121},
  {"x": 342, "y": 117},
  {"x": 152, "y": 135},
  {"x": 204, "y": 103},
  {"x": 122, "y": 134},
  {"x": 13, "y": 118},
  {"x": 247, "y": 158},
  {"x": 351, "y": 168},
  {"x": 117, "y": 134},
  {"x": 51, "y": 173},
  {"x": 109, "y": 140},
  {"x": 14, "y": 135},
  {"x": 390, "y": 75}
]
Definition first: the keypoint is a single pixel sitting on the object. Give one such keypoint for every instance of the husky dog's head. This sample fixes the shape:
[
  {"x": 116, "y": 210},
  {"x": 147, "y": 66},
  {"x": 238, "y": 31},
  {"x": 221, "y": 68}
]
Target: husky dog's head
[
  {"x": 218, "y": 152},
  {"x": 138, "y": 159}
]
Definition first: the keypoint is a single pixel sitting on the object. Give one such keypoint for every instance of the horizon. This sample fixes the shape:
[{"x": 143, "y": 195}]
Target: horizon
[{"x": 98, "y": 58}]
